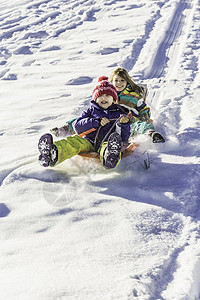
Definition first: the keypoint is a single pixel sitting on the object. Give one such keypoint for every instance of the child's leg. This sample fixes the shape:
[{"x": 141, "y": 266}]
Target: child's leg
[
  {"x": 52, "y": 154},
  {"x": 71, "y": 146},
  {"x": 140, "y": 127}
]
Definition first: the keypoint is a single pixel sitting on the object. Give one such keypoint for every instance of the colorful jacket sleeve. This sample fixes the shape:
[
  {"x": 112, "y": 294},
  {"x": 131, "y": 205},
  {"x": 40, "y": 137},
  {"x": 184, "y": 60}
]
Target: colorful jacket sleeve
[
  {"x": 142, "y": 108},
  {"x": 86, "y": 123},
  {"x": 128, "y": 98}
]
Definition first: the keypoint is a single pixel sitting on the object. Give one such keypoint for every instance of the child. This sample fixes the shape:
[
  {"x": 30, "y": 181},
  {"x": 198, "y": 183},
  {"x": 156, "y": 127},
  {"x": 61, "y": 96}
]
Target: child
[
  {"x": 96, "y": 130},
  {"x": 130, "y": 96}
]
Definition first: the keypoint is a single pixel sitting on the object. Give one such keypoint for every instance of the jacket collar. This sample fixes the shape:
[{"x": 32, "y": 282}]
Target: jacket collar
[{"x": 127, "y": 87}]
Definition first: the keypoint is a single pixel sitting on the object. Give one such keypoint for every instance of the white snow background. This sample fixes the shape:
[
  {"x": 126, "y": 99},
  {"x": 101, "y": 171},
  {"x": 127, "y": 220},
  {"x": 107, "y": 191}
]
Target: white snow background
[{"x": 78, "y": 231}]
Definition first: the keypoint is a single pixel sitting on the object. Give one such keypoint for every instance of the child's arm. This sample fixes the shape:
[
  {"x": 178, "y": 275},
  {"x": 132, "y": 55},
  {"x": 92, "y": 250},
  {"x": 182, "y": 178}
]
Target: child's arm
[
  {"x": 144, "y": 111},
  {"x": 137, "y": 106},
  {"x": 125, "y": 131},
  {"x": 124, "y": 124},
  {"x": 86, "y": 123}
]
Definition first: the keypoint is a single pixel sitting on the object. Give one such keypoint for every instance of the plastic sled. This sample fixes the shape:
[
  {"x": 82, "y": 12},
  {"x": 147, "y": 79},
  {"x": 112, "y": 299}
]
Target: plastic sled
[{"x": 126, "y": 152}]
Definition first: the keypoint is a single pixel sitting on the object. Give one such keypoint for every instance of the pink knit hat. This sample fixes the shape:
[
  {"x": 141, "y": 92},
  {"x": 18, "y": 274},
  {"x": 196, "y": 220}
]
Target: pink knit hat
[{"x": 105, "y": 87}]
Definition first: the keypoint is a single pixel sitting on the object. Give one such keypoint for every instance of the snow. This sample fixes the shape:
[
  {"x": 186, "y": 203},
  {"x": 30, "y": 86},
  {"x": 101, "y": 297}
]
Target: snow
[{"x": 78, "y": 231}]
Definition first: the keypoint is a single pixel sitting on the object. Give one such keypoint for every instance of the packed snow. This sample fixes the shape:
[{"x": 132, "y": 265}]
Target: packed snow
[{"x": 78, "y": 231}]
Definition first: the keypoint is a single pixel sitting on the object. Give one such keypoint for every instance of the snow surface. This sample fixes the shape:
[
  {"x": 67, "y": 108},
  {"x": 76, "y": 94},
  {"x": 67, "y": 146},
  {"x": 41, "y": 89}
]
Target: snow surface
[{"x": 78, "y": 231}]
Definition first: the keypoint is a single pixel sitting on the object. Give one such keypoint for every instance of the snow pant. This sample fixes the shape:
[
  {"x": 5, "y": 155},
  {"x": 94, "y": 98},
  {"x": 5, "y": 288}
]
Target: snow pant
[
  {"x": 141, "y": 127},
  {"x": 74, "y": 145}
]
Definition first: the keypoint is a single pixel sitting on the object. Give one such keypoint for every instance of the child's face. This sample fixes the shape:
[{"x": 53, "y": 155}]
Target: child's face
[
  {"x": 104, "y": 101},
  {"x": 119, "y": 83}
]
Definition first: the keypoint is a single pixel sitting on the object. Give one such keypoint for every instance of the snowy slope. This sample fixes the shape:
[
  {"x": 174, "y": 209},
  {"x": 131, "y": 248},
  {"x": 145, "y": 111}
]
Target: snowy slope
[{"x": 78, "y": 231}]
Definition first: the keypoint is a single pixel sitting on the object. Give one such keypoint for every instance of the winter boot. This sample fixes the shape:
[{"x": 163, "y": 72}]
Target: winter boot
[
  {"x": 63, "y": 131},
  {"x": 48, "y": 151},
  {"x": 112, "y": 153},
  {"x": 157, "y": 137}
]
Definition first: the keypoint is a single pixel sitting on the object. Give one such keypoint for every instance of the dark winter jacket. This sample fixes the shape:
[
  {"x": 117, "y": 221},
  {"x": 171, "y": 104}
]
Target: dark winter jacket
[{"x": 88, "y": 125}]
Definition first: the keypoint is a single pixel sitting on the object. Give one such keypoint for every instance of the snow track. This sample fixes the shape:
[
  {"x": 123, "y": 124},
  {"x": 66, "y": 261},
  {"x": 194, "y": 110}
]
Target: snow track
[
  {"x": 172, "y": 32},
  {"x": 78, "y": 231}
]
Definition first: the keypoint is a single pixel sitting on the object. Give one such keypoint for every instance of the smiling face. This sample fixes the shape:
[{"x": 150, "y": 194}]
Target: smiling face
[
  {"x": 104, "y": 101},
  {"x": 119, "y": 83}
]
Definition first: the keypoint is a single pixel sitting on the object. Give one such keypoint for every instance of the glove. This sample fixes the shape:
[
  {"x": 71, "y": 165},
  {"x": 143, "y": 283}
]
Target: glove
[{"x": 124, "y": 119}]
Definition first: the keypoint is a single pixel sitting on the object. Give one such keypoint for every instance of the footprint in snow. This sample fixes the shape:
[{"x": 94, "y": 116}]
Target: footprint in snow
[
  {"x": 52, "y": 48},
  {"x": 80, "y": 80},
  {"x": 2, "y": 73},
  {"x": 28, "y": 63},
  {"x": 10, "y": 77},
  {"x": 3, "y": 62},
  {"x": 36, "y": 35},
  {"x": 49, "y": 118},
  {"x": 33, "y": 129},
  {"x": 128, "y": 41},
  {"x": 108, "y": 50},
  {"x": 4, "y": 210},
  {"x": 25, "y": 50},
  {"x": 4, "y": 53}
]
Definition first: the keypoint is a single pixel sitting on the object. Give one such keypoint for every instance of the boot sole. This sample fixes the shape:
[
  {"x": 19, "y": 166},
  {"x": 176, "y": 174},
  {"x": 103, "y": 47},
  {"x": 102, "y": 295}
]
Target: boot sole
[
  {"x": 45, "y": 146},
  {"x": 114, "y": 149}
]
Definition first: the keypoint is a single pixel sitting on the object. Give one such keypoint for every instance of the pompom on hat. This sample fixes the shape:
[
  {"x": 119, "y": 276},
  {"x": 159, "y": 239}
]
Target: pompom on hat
[{"x": 105, "y": 87}]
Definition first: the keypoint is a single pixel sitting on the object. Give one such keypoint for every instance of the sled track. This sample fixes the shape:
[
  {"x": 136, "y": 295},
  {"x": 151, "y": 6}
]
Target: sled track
[
  {"x": 172, "y": 33},
  {"x": 117, "y": 201}
]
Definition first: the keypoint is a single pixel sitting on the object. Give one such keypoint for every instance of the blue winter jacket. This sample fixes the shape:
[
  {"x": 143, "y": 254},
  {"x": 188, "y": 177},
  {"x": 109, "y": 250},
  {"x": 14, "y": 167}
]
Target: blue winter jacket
[{"x": 88, "y": 124}]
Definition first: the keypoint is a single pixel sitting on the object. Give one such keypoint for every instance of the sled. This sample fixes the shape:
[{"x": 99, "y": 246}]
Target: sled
[{"x": 126, "y": 152}]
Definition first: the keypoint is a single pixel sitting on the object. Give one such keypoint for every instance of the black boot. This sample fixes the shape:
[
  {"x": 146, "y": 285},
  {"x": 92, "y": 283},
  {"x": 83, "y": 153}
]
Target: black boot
[
  {"x": 157, "y": 137},
  {"x": 113, "y": 150},
  {"x": 48, "y": 151}
]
